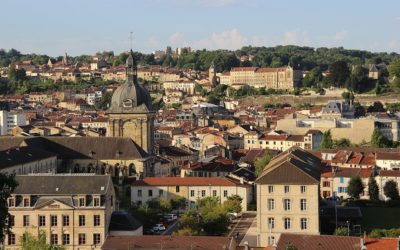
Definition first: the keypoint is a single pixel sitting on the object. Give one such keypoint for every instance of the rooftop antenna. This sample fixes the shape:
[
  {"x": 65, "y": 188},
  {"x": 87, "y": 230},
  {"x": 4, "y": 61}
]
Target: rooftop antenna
[{"x": 131, "y": 38}]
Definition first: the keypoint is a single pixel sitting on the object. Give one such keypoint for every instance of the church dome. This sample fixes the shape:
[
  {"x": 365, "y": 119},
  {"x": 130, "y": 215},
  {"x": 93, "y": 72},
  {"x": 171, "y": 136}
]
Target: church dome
[{"x": 130, "y": 97}]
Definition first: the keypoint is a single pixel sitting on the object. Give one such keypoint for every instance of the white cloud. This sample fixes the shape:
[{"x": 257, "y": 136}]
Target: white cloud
[
  {"x": 176, "y": 39},
  {"x": 231, "y": 39},
  {"x": 394, "y": 44},
  {"x": 296, "y": 37}
]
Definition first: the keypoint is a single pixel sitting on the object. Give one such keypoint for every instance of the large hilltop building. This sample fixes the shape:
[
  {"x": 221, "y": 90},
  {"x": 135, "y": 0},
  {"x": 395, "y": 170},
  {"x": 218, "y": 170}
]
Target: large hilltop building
[
  {"x": 284, "y": 78},
  {"x": 131, "y": 114}
]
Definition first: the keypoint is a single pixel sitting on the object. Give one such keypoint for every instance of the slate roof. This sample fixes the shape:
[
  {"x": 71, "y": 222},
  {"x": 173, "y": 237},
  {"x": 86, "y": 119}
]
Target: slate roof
[
  {"x": 294, "y": 166},
  {"x": 123, "y": 221},
  {"x": 152, "y": 242},
  {"x": 62, "y": 184},
  {"x": 22, "y": 155},
  {"x": 80, "y": 147},
  {"x": 186, "y": 181}
]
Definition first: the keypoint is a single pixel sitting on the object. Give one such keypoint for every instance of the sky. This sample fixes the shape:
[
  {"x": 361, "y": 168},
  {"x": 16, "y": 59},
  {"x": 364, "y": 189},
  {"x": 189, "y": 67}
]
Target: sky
[{"x": 88, "y": 26}]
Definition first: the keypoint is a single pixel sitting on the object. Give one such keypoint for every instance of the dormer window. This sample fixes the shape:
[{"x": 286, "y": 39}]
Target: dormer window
[
  {"x": 128, "y": 103},
  {"x": 11, "y": 202},
  {"x": 81, "y": 202},
  {"x": 26, "y": 202}
]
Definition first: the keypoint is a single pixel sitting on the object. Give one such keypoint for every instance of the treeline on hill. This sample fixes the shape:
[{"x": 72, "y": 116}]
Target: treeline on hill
[{"x": 345, "y": 66}]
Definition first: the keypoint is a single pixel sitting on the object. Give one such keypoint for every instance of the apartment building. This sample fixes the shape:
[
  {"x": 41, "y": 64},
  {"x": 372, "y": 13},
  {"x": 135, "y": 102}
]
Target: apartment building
[
  {"x": 72, "y": 210},
  {"x": 185, "y": 86},
  {"x": 277, "y": 140},
  {"x": 288, "y": 196},
  {"x": 190, "y": 188},
  {"x": 10, "y": 120}
]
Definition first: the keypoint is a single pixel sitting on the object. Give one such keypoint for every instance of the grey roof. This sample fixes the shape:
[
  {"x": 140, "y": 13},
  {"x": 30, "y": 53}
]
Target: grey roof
[
  {"x": 294, "y": 166},
  {"x": 22, "y": 155},
  {"x": 80, "y": 147},
  {"x": 130, "y": 97},
  {"x": 42, "y": 201},
  {"x": 63, "y": 184},
  {"x": 123, "y": 221}
]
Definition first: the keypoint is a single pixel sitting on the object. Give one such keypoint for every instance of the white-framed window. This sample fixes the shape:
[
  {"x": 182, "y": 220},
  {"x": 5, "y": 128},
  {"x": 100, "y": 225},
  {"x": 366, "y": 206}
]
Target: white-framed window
[
  {"x": 287, "y": 189},
  {"x": 287, "y": 223},
  {"x": 42, "y": 220},
  {"x": 53, "y": 220},
  {"x": 303, "y": 204},
  {"x": 271, "y": 223},
  {"x": 270, "y": 189},
  {"x": 26, "y": 220},
  {"x": 287, "y": 204},
  {"x": 303, "y": 223},
  {"x": 203, "y": 193},
  {"x": 271, "y": 204},
  {"x": 82, "y": 220},
  {"x": 191, "y": 193},
  {"x": 225, "y": 193},
  {"x": 303, "y": 189},
  {"x": 214, "y": 192},
  {"x": 271, "y": 240}
]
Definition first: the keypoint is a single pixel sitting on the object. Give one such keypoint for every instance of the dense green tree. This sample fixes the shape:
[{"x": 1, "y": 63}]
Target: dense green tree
[
  {"x": 394, "y": 67},
  {"x": 391, "y": 190},
  {"x": 341, "y": 231},
  {"x": 378, "y": 140},
  {"x": 340, "y": 72},
  {"x": 312, "y": 78},
  {"x": 233, "y": 204},
  {"x": 262, "y": 162},
  {"x": 355, "y": 187},
  {"x": 326, "y": 141},
  {"x": 7, "y": 186},
  {"x": 373, "y": 189},
  {"x": 104, "y": 102},
  {"x": 30, "y": 242},
  {"x": 376, "y": 107},
  {"x": 341, "y": 143}
]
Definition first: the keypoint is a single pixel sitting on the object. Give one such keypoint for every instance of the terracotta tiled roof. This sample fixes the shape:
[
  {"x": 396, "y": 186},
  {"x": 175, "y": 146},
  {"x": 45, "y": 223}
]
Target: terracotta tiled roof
[
  {"x": 389, "y": 173},
  {"x": 317, "y": 242},
  {"x": 387, "y": 156},
  {"x": 185, "y": 181},
  {"x": 166, "y": 242},
  {"x": 380, "y": 244}
]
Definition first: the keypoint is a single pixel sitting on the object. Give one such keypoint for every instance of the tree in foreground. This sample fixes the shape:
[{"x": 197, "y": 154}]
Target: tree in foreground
[
  {"x": 327, "y": 141},
  {"x": 262, "y": 162},
  {"x": 30, "y": 242},
  {"x": 7, "y": 186},
  {"x": 391, "y": 190},
  {"x": 355, "y": 187},
  {"x": 233, "y": 204},
  {"x": 373, "y": 189}
]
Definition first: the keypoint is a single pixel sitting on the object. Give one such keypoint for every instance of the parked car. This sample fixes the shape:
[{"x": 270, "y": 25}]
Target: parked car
[
  {"x": 170, "y": 217},
  {"x": 158, "y": 227},
  {"x": 235, "y": 215}
]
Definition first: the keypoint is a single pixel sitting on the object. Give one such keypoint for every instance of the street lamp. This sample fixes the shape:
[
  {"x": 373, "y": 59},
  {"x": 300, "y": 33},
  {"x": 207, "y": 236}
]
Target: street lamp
[{"x": 348, "y": 228}]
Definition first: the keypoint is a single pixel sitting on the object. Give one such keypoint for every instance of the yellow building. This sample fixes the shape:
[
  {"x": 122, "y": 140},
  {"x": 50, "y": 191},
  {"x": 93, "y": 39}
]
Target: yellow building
[
  {"x": 72, "y": 210},
  {"x": 288, "y": 196},
  {"x": 284, "y": 78}
]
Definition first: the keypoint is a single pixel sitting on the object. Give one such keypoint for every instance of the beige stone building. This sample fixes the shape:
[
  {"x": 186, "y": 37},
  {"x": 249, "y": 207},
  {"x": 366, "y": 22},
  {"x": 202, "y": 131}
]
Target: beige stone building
[
  {"x": 284, "y": 78},
  {"x": 131, "y": 114},
  {"x": 186, "y": 86},
  {"x": 72, "y": 210},
  {"x": 283, "y": 141},
  {"x": 190, "y": 188},
  {"x": 288, "y": 196}
]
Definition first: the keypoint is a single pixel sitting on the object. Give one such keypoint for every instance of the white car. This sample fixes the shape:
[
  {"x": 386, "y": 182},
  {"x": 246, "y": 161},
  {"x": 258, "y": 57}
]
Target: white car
[
  {"x": 159, "y": 227},
  {"x": 170, "y": 217}
]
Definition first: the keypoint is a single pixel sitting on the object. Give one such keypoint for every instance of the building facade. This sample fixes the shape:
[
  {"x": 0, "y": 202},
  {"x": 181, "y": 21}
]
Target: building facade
[
  {"x": 71, "y": 210},
  {"x": 288, "y": 196}
]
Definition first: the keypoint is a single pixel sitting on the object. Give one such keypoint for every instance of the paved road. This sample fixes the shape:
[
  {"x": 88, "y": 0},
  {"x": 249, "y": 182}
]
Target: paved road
[{"x": 242, "y": 225}]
